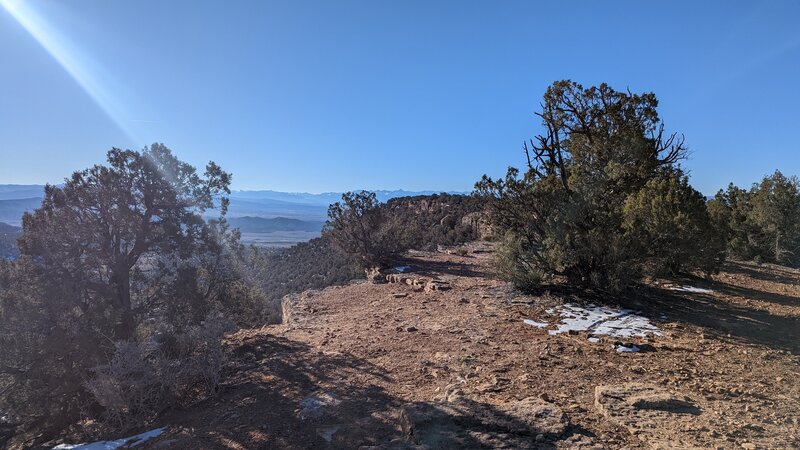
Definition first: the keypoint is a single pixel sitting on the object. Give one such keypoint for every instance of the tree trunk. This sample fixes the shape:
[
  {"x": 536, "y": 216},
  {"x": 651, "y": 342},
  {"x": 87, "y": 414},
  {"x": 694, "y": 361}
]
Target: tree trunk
[{"x": 126, "y": 326}]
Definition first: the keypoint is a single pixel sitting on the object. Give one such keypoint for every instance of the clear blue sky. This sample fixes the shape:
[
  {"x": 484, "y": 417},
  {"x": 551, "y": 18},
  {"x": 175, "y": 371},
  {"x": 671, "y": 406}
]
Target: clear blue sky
[{"x": 329, "y": 96}]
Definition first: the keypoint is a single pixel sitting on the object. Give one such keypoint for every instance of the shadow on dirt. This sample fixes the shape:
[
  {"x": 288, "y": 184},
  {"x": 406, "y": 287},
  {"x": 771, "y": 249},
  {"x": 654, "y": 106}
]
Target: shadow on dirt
[
  {"x": 467, "y": 424},
  {"x": 768, "y": 272},
  {"x": 432, "y": 268},
  {"x": 724, "y": 319},
  {"x": 280, "y": 393}
]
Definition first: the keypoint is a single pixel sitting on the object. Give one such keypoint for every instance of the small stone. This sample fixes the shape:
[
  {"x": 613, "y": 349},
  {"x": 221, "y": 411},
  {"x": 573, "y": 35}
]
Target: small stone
[{"x": 411, "y": 328}]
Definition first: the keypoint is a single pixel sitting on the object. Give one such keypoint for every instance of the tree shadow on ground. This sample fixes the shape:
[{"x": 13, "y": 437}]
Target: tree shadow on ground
[
  {"x": 775, "y": 273},
  {"x": 721, "y": 318},
  {"x": 770, "y": 297},
  {"x": 470, "y": 424},
  {"x": 280, "y": 393},
  {"x": 432, "y": 268}
]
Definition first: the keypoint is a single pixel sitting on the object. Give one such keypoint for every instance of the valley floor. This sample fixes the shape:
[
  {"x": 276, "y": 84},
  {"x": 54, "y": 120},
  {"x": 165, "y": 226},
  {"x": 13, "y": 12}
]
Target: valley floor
[{"x": 396, "y": 366}]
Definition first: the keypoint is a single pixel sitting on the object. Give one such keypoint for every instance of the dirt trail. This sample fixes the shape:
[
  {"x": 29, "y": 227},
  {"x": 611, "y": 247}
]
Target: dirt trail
[{"x": 395, "y": 366}]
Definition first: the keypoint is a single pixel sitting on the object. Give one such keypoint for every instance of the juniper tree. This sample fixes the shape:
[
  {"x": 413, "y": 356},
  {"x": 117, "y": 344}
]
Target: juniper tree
[{"x": 563, "y": 215}]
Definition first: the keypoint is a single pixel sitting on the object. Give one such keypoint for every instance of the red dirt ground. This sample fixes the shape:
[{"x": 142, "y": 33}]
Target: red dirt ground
[{"x": 363, "y": 351}]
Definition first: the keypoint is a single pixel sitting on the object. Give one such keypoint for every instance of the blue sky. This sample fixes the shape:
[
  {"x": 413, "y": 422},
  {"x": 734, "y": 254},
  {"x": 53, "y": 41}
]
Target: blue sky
[{"x": 330, "y": 96}]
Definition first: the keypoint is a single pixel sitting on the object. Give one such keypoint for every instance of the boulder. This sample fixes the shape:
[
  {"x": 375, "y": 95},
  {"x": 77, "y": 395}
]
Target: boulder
[
  {"x": 395, "y": 278},
  {"x": 437, "y": 285},
  {"x": 375, "y": 275}
]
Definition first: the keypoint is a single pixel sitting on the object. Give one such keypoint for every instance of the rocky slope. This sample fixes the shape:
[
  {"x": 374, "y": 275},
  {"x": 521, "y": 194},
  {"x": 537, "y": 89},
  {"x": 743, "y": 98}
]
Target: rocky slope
[{"x": 406, "y": 365}]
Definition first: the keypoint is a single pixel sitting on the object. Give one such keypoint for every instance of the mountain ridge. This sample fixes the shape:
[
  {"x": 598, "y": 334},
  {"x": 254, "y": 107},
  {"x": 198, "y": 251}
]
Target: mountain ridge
[{"x": 16, "y": 199}]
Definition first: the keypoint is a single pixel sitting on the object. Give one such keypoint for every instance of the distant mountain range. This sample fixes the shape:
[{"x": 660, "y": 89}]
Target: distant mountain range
[
  {"x": 323, "y": 199},
  {"x": 11, "y": 209},
  {"x": 8, "y": 241},
  {"x": 6, "y": 228},
  {"x": 263, "y": 225},
  {"x": 312, "y": 209}
]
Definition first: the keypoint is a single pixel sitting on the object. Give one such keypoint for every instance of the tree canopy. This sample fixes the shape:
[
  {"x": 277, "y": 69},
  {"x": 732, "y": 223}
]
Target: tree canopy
[
  {"x": 92, "y": 232},
  {"x": 120, "y": 258},
  {"x": 565, "y": 214}
]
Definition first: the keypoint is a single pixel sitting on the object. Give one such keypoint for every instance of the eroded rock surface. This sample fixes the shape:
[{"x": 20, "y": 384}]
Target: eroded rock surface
[
  {"x": 648, "y": 411},
  {"x": 462, "y": 424}
]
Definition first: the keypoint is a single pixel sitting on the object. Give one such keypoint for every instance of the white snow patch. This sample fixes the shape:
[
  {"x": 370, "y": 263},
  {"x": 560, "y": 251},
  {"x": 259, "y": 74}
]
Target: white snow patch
[
  {"x": 695, "y": 290},
  {"x": 535, "y": 323},
  {"x": 132, "y": 441},
  {"x": 314, "y": 406},
  {"x": 594, "y": 340},
  {"x": 603, "y": 320},
  {"x": 625, "y": 349},
  {"x": 401, "y": 269}
]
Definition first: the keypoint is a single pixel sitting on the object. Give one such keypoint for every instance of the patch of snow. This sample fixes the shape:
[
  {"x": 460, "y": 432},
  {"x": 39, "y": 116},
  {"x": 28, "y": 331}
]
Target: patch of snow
[
  {"x": 132, "y": 441},
  {"x": 535, "y": 323},
  {"x": 315, "y": 405},
  {"x": 593, "y": 339},
  {"x": 401, "y": 269},
  {"x": 623, "y": 323},
  {"x": 625, "y": 349},
  {"x": 692, "y": 289}
]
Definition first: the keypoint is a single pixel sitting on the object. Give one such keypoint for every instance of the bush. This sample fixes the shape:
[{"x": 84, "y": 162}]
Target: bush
[
  {"x": 144, "y": 378},
  {"x": 566, "y": 215},
  {"x": 359, "y": 227},
  {"x": 512, "y": 266},
  {"x": 669, "y": 222}
]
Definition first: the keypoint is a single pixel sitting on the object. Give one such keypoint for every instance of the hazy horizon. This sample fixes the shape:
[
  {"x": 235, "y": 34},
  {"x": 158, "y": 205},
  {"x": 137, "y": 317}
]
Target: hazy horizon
[{"x": 267, "y": 189}]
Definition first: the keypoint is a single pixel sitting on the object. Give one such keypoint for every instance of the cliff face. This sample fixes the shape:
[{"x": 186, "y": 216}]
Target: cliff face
[{"x": 429, "y": 221}]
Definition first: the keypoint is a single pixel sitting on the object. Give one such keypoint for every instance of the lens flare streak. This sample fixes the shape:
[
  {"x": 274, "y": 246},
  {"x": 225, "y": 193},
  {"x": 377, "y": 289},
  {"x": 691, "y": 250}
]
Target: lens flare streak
[{"x": 79, "y": 65}]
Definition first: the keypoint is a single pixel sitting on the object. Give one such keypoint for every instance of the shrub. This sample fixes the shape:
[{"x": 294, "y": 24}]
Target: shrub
[
  {"x": 144, "y": 378},
  {"x": 512, "y": 266},
  {"x": 668, "y": 220},
  {"x": 602, "y": 149},
  {"x": 359, "y": 227}
]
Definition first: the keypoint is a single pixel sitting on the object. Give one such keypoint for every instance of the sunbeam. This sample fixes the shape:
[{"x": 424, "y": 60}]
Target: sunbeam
[{"x": 78, "y": 64}]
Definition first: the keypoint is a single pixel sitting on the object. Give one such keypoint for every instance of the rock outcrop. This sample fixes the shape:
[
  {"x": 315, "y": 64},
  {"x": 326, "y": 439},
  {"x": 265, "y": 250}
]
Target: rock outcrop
[
  {"x": 428, "y": 284},
  {"x": 479, "y": 221}
]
